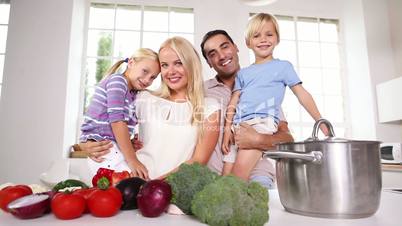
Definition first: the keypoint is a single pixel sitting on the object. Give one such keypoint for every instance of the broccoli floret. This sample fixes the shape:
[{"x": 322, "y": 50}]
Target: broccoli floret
[
  {"x": 187, "y": 181},
  {"x": 231, "y": 201}
]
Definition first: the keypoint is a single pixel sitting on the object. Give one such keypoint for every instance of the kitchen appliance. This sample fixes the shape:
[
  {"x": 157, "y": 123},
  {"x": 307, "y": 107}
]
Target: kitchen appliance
[
  {"x": 330, "y": 178},
  {"x": 391, "y": 153}
]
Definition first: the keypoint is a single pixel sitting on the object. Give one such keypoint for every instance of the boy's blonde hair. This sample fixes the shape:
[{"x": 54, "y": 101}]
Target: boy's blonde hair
[
  {"x": 192, "y": 65},
  {"x": 140, "y": 54},
  {"x": 257, "y": 21}
]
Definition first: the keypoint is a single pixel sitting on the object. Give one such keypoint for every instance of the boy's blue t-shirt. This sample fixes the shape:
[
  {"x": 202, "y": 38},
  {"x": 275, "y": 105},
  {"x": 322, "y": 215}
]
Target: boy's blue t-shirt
[{"x": 262, "y": 88}]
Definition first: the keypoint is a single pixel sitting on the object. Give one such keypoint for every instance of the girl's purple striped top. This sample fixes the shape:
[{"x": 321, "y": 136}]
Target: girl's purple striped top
[{"x": 111, "y": 102}]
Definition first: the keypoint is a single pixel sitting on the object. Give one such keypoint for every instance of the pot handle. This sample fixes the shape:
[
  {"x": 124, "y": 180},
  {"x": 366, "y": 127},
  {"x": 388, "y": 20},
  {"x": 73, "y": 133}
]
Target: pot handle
[
  {"x": 313, "y": 156},
  {"x": 316, "y": 127}
]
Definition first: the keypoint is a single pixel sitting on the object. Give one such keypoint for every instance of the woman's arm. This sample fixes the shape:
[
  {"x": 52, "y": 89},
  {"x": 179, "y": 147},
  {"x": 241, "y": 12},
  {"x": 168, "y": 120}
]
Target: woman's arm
[
  {"x": 246, "y": 137},
  {"x": 96, "y": 149},
  {"x": 207, "y": 142}
]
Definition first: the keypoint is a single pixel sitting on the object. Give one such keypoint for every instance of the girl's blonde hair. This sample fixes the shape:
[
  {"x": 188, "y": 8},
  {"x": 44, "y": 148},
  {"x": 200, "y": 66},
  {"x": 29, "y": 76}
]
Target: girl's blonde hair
[
  {"x": 192, "y": 65},
  {"x": 140, "y": 54},
  {"x": 257, "y": 21}
]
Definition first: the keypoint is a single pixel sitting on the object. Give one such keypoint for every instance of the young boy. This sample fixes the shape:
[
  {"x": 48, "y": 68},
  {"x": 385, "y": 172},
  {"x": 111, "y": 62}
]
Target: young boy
[{"x": 258, "y": 93}]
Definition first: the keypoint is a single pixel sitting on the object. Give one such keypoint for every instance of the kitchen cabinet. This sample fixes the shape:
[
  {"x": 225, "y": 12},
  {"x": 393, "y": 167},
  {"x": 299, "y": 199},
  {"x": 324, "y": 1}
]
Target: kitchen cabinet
[
  {"x": 387, "y": 215},
  {"x": 392, "y": 176},
  {"x": 388, "y": 100}
]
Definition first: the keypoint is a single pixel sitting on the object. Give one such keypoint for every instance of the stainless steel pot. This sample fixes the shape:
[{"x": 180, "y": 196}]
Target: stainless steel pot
[{"x": 331, "y": 178}]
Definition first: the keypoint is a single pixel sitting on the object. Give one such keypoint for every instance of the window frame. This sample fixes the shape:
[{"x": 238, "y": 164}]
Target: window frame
[
  {"x": 85, "y": 57},
  {"x": 3, "y": 54}
]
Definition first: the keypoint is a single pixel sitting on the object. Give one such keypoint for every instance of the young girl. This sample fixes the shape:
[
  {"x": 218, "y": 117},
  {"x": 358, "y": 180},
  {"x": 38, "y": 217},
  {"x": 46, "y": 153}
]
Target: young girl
[
  {"x": 111, "y": 113},
  {"x": 258, "y": 93}
]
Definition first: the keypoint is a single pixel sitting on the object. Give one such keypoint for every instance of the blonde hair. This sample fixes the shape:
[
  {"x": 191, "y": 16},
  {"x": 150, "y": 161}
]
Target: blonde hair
[
  {"x": 140, "y": 54},
  {"x": 195, "y": 87},
  {"x": 257, "y": 21}
]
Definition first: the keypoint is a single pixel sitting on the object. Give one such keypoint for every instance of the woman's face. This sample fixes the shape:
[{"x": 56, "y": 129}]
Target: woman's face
[{"x": 172, "y": 70}]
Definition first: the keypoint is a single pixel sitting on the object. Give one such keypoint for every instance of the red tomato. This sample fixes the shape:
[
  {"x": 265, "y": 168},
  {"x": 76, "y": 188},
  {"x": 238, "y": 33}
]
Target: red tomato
[
  {"x": 11, "y": 193},
  {"x": 68, "y": 206},
  {"x": 105, "y": 203},
  {"x": 118, "y": 176},
  {"x": 85, "y": 193}
]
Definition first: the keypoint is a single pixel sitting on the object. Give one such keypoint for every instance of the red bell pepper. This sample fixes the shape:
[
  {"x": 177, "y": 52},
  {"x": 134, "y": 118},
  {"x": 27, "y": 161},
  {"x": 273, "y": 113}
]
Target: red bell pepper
[
  {"x": 112, "y": 176},
  {"x": 102, "y": 172}
]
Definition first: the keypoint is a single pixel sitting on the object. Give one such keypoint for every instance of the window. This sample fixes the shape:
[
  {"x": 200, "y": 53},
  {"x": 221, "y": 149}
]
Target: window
[
  {"x": 4, "y": 14},
  {"x": 115, "y": 31},
  {"x": 312, "y": 46}
]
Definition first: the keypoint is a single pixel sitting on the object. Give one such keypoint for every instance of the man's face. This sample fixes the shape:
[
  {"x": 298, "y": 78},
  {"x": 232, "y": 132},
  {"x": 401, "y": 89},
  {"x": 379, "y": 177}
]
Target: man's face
[{"x": 222, "y": 55}]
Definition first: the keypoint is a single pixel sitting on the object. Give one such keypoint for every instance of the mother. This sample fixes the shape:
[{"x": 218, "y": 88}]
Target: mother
[{"x": 176, "y": 123}]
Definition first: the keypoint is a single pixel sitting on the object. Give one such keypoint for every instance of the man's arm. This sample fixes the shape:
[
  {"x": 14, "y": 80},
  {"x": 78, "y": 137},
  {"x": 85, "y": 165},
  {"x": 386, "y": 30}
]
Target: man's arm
[{"x": 246, "y": 137}]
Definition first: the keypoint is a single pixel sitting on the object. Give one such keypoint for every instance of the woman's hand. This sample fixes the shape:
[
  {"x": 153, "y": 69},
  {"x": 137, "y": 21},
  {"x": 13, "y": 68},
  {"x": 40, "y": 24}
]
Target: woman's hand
[{"x": 96, "y": 150}]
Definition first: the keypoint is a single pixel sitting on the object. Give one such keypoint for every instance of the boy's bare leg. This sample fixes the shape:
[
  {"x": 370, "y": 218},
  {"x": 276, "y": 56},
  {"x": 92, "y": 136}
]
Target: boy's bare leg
[
  {"x": 245, "y": 163},
  {"x": 227, "y": 168}
]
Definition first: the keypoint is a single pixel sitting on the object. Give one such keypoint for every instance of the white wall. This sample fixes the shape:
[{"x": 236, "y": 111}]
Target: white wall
[
  {"x": 357, "y": 74},
  {"x": 38, "y": 109},
  {"x": 34, "y": 90},
  {"x": 395, "y": 18},
  {"x": 381, "y": 59}
]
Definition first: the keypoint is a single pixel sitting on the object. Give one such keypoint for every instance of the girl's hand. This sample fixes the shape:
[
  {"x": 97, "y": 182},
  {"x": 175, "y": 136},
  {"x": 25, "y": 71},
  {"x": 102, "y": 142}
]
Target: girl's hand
[
  {"x": 137, "y": 144},
  {"x": 138, "y": 170}
]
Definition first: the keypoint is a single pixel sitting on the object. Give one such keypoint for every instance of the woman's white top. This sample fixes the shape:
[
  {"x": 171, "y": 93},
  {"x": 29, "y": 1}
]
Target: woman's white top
[{"x": 165, "y": 129}]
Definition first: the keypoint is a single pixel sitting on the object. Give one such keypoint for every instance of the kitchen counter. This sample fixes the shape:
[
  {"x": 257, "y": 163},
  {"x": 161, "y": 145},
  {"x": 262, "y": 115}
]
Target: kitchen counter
[{"x": 388, "y": 214}]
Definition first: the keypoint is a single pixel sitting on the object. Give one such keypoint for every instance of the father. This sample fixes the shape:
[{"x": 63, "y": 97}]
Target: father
[{"x": 221, "y": 54}]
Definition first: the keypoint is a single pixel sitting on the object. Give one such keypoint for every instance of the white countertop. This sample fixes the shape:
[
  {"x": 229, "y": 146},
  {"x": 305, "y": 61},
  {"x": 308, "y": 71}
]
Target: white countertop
[{"x": 389, "y": 214}]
